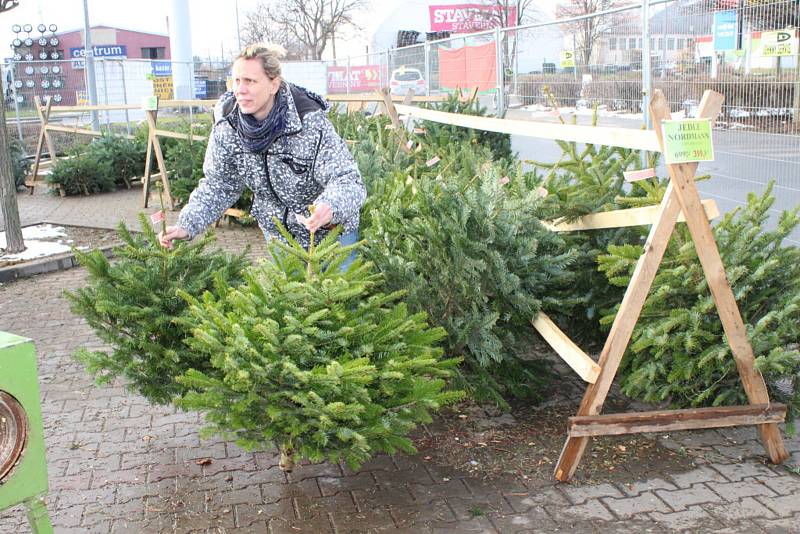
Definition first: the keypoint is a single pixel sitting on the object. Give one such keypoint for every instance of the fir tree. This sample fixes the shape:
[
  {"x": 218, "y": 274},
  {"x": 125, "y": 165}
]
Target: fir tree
[
  {"x": 314, "y": 359},
  {"x": 132, "y": 305},
  {"x": 678, "y": 351}
]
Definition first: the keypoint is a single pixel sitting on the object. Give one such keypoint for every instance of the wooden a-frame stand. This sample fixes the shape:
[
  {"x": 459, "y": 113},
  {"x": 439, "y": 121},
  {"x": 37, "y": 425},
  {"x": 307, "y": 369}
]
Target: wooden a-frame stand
[
  {"x": 154, "y": 147},
  {"x": 681, "y": 202},
  {"x": 681, "y": 196}
]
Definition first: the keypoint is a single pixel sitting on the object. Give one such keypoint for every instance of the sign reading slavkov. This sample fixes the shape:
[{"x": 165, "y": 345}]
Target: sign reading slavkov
[{"x": 687, "y": 140}]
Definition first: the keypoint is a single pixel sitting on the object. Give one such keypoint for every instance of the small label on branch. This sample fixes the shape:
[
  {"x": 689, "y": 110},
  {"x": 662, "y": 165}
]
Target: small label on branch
[
  {"x": 157, "y": 217},
  {"x": 150, "y": 103},
  {"x": 687, "y": 140},
  {"x": 643, "y": 174},
  {"x": 433, "y": 161}
]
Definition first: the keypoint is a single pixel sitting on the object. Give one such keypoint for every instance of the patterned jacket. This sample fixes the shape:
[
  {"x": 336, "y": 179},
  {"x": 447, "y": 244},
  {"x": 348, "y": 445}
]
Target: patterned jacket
[{"x": 309, "y": 163}]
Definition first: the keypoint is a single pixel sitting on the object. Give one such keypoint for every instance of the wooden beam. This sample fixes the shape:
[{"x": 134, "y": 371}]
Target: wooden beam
[
  {"x": 622, "y": 218},
  {"x": 578, "y": 360},
  {"x": 82, "y": 131},
  {"x": 372, "y": 97},
  {"x": 178, "y": 135},
  {"x": 673, "y": 420},
  {"x": 682, "y": 175},
  {"x": 102, "y": 107},
  {"x": 598, "y": 135},
  {"x": 186, "y": 103}
]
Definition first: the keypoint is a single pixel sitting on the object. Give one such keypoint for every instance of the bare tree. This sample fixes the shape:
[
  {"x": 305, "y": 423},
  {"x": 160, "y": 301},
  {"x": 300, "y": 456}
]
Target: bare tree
[
  {"x": 8, "y": 187},
  {"x": 509, "y": 13},
  {"x": 314, "y": 22},
  {"x": 264, "y": 26},
  {"x": 587, "y": 31}
]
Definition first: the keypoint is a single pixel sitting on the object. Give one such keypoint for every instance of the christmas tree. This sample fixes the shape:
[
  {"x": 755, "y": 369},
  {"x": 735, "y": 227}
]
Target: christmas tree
[
  {"x": 132, "y": 305},
  {"x": 314, "y": 359}
]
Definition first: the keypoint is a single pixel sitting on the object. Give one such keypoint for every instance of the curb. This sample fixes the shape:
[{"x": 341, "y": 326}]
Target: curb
[{"x": 58, "y": 262}]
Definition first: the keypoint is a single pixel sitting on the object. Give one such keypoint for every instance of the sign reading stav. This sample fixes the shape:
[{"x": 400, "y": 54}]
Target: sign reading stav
[
  {"x": 687, "y": 140},
  {"x": 363, "y": 79},
  {"x": 465, "y": 18},
  {"x": 778, "y": 43},
  {"x": 567, "y": 59}
]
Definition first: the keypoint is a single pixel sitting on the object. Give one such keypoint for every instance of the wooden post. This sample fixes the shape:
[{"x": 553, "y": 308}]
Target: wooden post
[
  {"x": 398, "y": 126},
  {"x": 44, "y": 116},
  {"x": 154, "y": 147}
]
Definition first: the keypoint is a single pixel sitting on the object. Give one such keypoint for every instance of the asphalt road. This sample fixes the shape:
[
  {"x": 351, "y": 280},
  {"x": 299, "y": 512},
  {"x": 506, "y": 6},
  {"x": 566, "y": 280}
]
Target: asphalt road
[{"x": 745, "y": 162}]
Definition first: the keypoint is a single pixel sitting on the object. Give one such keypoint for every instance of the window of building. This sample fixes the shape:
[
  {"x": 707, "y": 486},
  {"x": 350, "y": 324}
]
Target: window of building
[
  {"x": 681, "y": 43},
  {"x": 612, "y": 43},
  {"x": 153, "y": 52},
  {"x": 652, "y": 43},
  {"x": 632, "y": 43},
  {"x": 661, "y": 43},
  {"x": 622, "y": 43},
  {"x": 640, "y": 42},
  {"x": 671, "y": 43}
]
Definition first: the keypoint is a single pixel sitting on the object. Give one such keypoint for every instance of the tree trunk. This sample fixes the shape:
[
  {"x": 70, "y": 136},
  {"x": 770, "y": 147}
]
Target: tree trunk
[{"x": 8, "y": 188}]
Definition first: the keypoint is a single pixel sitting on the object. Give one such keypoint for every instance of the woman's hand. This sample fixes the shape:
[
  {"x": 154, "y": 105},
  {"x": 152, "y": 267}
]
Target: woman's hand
[
  {"x": 322, "y": 216},
  {"x": 172, "y": 233}
]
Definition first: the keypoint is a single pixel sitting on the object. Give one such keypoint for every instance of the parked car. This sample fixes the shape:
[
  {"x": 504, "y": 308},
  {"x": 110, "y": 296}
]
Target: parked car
[{"x": 405, "y": 78}]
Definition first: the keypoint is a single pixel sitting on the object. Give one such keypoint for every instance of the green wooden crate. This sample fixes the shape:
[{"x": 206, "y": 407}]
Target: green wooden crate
[{"x": 26, "y": 481}]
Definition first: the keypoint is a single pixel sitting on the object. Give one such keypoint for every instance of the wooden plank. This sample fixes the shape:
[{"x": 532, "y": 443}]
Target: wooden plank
[
  {"x": 628, "y": 314},
  {"x": 179, "y": 135},
  {"x": 372, "y": 97},
  {"x": 102, "y": 107},
  {"x": 397, "y": 125},
  {"x": 578, "y": 360},
  {"x": 622, "y": 218},
  {"x": 599, "y": 135},
  {"x": 82, "y": 131},
  {"x": 186, "y": 103},
  {"x": 151, "y": 117},
  {"x": 673, "y": 420},
  {"x": 682, "y": 175}
]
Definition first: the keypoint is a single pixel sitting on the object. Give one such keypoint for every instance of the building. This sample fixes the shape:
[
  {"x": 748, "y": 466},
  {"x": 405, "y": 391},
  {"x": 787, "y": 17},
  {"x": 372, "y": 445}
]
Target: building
[{"x": 53, "y": 65}]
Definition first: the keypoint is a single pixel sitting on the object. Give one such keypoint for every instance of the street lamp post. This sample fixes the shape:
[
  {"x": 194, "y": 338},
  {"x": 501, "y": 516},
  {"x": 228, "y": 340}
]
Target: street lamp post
[{"x": 91, "y": 86}]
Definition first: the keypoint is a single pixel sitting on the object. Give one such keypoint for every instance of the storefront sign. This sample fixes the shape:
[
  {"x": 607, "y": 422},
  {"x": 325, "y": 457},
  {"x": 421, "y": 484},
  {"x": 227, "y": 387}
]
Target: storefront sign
[
  {"x": 465, "y": 18},
  {"x": 778, "y": 43},
  {"x": 162, "y": 87},
  {"x": 363, "y": 79},
  {"x": 112, "y": 51},
  {"x": 687, "y": 140},
  {"x": 567, "y": 59},
  {"x": 725, "y": 30},
  {"x": 161, "y": 68}
]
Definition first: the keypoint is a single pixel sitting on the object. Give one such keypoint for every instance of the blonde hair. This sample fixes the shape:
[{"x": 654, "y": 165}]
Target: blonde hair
[{"x": 269, "y": 54}]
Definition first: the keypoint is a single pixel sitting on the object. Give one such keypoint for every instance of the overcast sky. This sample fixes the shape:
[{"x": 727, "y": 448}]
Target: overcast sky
[{"x": 213, "y": 23}]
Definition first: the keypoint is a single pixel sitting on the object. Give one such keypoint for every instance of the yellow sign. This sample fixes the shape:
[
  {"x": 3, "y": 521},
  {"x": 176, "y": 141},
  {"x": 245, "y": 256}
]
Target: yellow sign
[
  {"x": 162, "y": 87},
  {"x": 567, "y": 59},
  {"x": 687, "y": 140},
  {"x": 778, "y": 43},
  {"x": 81, "y": 98}
]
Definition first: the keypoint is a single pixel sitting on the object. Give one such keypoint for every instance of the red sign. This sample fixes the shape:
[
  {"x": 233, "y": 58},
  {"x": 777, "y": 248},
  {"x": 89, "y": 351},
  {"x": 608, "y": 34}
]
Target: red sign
[
  {"x": 363, "y": 79},
  {"x": 465, "y": 18}
]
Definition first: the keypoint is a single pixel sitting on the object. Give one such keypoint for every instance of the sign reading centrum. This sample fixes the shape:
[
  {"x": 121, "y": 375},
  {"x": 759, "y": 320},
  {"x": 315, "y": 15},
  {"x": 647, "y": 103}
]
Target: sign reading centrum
[
  {"x": 77, "y": 54},
  {"x": 464, "y": 18}
]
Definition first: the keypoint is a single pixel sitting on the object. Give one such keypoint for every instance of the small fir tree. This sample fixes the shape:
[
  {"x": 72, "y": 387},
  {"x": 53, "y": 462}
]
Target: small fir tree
[
  {"x": 314, "y": 359},
  {"x": 678, "y": 351},
  {"x": 133, "y": 306}
]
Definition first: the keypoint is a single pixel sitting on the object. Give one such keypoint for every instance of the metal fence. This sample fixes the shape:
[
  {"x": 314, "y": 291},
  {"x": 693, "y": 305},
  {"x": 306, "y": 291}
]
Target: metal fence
[{"x": 607, "y": 60}]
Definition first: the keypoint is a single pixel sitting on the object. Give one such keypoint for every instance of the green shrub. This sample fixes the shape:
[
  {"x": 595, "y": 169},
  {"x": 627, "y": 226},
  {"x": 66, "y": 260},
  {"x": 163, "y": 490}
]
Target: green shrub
[
  {"x": 125, "y": 156},
  {"x": 81, "y": 175},
  {"x": 20, "y": 164},
  {"x": 678, "y": 351},
  {"x": 132, "y": 305},
  {"x": 314, "y": 359}
]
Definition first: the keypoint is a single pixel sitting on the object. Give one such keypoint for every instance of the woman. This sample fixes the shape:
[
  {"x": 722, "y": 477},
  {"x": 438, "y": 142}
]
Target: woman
[{"x": 274, "y": 138}]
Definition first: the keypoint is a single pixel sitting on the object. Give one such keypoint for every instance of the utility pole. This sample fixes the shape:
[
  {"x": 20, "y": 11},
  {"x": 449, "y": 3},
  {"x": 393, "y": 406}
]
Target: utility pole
[
  {"x": 89, "y": 66},
  {"x": 238, "y": 31},
  {"x": 647, "y": 81}
]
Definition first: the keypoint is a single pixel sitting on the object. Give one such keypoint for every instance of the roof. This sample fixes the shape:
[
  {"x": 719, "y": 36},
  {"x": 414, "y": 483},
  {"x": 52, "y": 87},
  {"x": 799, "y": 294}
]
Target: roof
[{"x": 102, "y": 26}]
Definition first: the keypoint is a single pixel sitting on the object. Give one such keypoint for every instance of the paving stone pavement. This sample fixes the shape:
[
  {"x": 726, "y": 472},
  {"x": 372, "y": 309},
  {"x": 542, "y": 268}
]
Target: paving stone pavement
[{"x": 117, "y": 464}]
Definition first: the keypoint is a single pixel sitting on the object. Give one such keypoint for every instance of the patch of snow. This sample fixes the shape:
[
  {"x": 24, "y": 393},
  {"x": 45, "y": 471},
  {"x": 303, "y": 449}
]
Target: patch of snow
[{"x": 36, "y": 247}]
